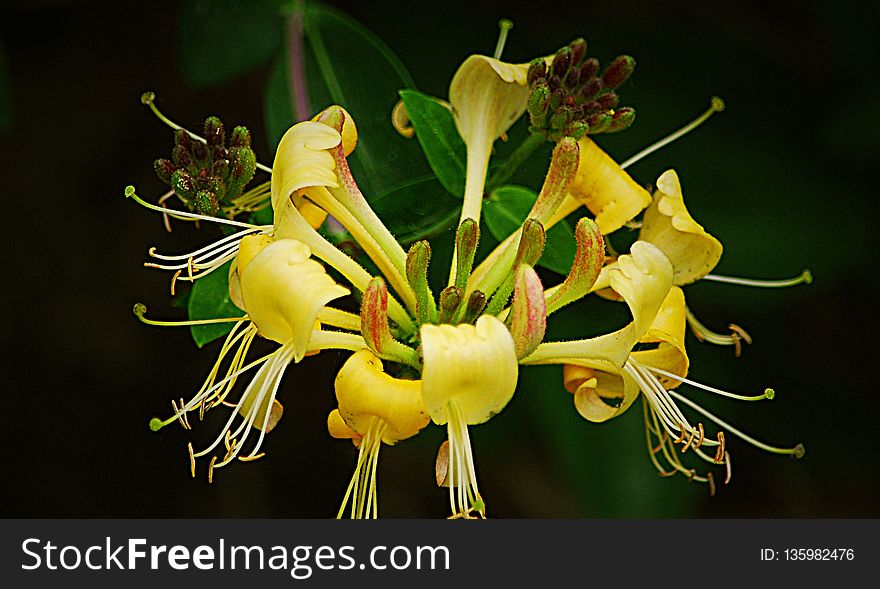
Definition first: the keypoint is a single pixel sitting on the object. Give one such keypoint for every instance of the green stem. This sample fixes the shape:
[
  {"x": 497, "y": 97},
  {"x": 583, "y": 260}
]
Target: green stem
[{"x": 519, "y": 156}]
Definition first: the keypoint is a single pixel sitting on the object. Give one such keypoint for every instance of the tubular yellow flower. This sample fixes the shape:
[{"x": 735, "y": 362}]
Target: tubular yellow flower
[
  {"x": 373, "y": 408},
  {"x": 643, "y": 279},
  {"x": 487, "y": 97},
  {"x": 606, "y": 189},
  {"x": 668, "y": 225},
  {"x": 469, "y": 375}
]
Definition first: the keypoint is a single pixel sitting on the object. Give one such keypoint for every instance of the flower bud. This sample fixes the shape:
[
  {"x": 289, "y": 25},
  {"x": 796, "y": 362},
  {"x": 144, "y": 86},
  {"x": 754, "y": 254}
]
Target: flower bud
[
  {"x": 164, "y": 169},
  {"x": 618, "y": 71},
  {"x": 417, "y": 260},
  {"x": 215, "y": 134},
  {"x": 527, "y": 320},
  {"x": 537, "y": 71}
]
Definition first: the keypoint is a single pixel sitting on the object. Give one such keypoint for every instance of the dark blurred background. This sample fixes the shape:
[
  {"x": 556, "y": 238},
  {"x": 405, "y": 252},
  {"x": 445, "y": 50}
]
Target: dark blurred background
[{"x": 781, "y": 177}]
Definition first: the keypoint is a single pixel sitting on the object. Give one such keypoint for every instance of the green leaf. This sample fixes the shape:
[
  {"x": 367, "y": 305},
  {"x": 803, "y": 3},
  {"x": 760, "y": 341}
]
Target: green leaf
[
  {"x": 435, "y": 129},
  {"x": 221, "y": 39},
  {"x": 209, "y": 299},
  {"x": 346, "y": 64},
  {"x": 506, "y": 209},
  {"x": 418, "y": 209}
]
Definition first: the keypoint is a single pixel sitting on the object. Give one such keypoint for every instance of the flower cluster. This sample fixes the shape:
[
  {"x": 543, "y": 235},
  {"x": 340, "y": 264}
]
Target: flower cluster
[{"x": 452, "y": 358}]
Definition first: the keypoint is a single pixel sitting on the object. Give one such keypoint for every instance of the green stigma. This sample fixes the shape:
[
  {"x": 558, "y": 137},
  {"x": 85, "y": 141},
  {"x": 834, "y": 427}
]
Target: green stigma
[
  {"x": 769, "y": 393},
  {"x": 156, "y": 424}
]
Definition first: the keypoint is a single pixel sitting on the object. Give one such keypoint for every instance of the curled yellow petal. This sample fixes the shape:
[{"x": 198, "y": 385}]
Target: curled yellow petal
[
  {"x": 302, "y": 160},
  {"x": 669, "y": 226},
  {"x": 283, "y": 291},
  {"x": 329, "y": 116},
  {"x": 364, "y": 392},
  {"x": 473, "y": 365},
  {"x": 667, "y": 331},
  {"x": 487, "y": 97},
  {"x": 606, "y": 189}
]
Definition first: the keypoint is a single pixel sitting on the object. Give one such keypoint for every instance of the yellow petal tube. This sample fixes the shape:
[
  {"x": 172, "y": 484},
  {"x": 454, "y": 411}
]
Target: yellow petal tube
[
  {"x": 669, "y": 226},
  {"x": 606, "y": 189},
  {"x": 283, "y": 291},
  {"x": 473, "y": 365},
  {"x": 302, "y": 161},
  {"x": 365, "y": 392},
  {"x": 487, "y": 97}
]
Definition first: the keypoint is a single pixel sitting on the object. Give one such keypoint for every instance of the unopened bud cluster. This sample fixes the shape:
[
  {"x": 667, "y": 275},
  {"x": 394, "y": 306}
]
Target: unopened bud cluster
[
  {"x": 570, "y": 98},
  {"x": 207, "y": 176}
]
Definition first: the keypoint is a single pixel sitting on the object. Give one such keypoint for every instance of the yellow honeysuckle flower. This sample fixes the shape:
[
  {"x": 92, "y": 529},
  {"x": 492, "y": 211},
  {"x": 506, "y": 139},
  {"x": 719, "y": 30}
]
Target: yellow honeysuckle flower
[
  {"x": 469, "y": 375},
  {"x": 606, "y": 189},
  {"x": 643, "y": 279},
  {"x": 487, "y": 97},
  {"x": 373, "y": 408},
  {"x": 668, "y": 225}
]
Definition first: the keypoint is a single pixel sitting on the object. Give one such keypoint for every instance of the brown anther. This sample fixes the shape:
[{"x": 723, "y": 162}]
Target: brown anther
[
  {"x": 174, "y": 281},
  {"x": 719, "y": 454},
  {"x": 251, "y": 458},
  {"x": 185, "y": 417},
  {"x": 211, "y": 469},
  {"x": 667, "y": 473},
  {"x": 710, "y": 479},
  {"x": 738, "y": 334},
  {"x": 441, "y": 466},
  {"x": 202, "y": 410},
  {"x": 691, "y": 474},
  {"x": 729, "y": 468},
  {"x": 166, "y": 218},
  {"x": 702, "y": 437},
  {"x": 680, "y": 438},
  {"x": 690, "y": 440},
  {"x": 192, "y": 460},
  {"x": 179, "y": 415}
]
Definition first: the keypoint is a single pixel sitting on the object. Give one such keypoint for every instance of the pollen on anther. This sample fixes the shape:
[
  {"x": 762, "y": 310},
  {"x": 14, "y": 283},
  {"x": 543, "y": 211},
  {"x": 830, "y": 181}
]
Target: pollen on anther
[
  {"x": 251, "y": 458},
  {"x": 192, "y": 460},
  {"x": 211, "y": 469}
]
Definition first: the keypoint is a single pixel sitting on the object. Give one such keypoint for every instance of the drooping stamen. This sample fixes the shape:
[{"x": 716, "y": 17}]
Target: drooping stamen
[
  {"x": 703, "y": 333},
  {"x": 362, "y": 488},
  {"x": 805, "y": 277},
  {"x": 140, "y": 310},
  {"x": 716, "y": 105},
  {"x": 149, "y": 99},
  {"x": 768, "y": 393},
  {"x": 797, "y": 451},
  {"x": 464, "y": 496},
  {"x": 505, "y": 24},
  {"x": 666, "y": 447}
]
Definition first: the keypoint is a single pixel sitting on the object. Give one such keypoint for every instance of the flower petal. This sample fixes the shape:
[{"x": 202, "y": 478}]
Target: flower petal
[
  {"x": 366, "y": 392},
  {"x": 302, "y": 160},
  {"x": 669, "y": 226},
  {"x": 606, "y": 189},
  {"x": 487, "y": 97},
  {"x": 668, "y": 331},
  {"x": 283, "y": 291},
  {"x": 475, "y": 365}
]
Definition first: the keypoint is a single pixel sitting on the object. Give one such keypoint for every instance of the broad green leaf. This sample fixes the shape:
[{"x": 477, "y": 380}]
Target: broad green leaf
[
  {"x": 209, "y": 299},
  {"x": 435, "y": 129},
  {"x": 5, "y": 94},
  {"x": 346, "y": 64},
  {"x": 221, "y": 39},
  {"x": 506, "y": 209},
  {"x": 418, "y": 209}
]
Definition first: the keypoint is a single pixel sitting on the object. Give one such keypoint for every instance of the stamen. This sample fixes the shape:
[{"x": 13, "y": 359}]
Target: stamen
[
  {"x": 775, "y": 450},
  {"x": 179, "y": 415},
  {"x": 716, "y": 105},
  {"x": 711, "y": 480},
  {"x": 166, "y": 219},
  {"x": 149, "y": 98},
  {"x": 211, "y": 469},
  {"x": 702, "y": 435},
  {"x": 805, "y": 277},
  {"x": 688, "y": 445},
  {"x": 182, "y": 215},
  {"x": 140, "y": 310},
  {"x": 729, "y": 468},
  {"x": 703, "y": 333},
  {"x": 251, "y": 458},
  {"x": 768, "y": 393},
  {"x": 719, "y": 454},
  {"x": 505, "y": 24},
  {"x": 185, "y": 418},
  {"x": 192, "y": 460}
]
